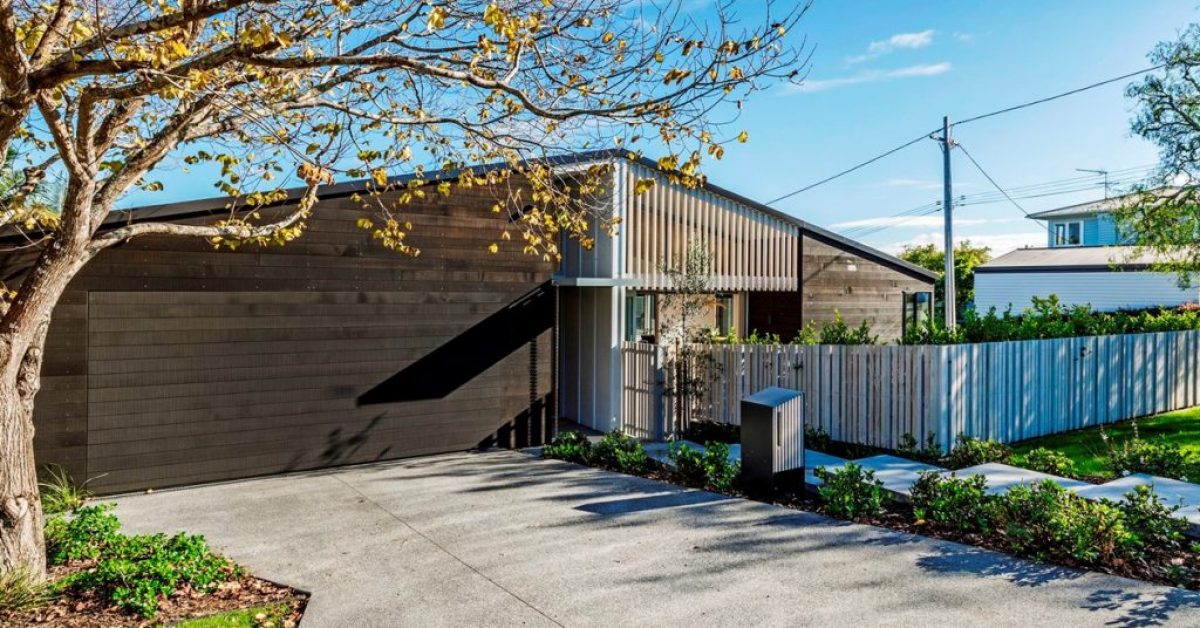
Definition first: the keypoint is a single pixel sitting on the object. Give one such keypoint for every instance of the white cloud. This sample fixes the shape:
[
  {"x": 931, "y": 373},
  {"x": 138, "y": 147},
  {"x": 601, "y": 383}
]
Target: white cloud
[
  {"x": 999, "y": 243},
  {"x": 916, "y": 184},
  {"x": 872, "y": 76},
  {"x": 899, "y": 41}
]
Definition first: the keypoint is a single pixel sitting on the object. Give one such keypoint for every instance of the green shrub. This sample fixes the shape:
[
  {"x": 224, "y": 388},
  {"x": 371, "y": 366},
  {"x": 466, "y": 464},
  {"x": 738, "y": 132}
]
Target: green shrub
[
  {"x": 838, "y": 332},
  {"x": 60, "y": 493},
  {"x": 719, "y": 472},
  {"x": 572, "y": 446},
  {"x": 1048, "y": 461},
  {"x": 1134, "y": 455},
  {"x": 620, "y": 452},
  {"x": 850, "y": 492},
  {"x": 958, "y": 503},
  {"x": 1046, "y": 520},
  {"x": 136, "y": 572},
  {"x": 817, "y": 439},
  {"x": 1151, "y": 521},
  {"x": 83, "y": 536},
  {"x": 1049, "y": 318},
  {"x": 21, "y": 591},
  {"x": 710, "y": 468},
  {"x": 928, "y": 452},
  {"x": 688, "y": 463},
  {"x": 969, "y": 451},
  {"x": 132, "y": 572}
]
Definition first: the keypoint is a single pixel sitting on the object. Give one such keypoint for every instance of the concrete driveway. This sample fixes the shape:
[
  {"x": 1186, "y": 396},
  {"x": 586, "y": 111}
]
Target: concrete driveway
[{"x": 503, "y": 539}]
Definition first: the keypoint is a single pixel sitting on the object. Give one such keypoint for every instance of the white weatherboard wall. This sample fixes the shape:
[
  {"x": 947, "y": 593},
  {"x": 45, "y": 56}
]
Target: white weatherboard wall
[{"x": 1104, "y": 291}]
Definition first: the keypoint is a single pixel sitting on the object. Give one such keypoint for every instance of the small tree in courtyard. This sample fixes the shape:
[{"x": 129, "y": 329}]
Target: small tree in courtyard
[{"x": 686, "y": 311}]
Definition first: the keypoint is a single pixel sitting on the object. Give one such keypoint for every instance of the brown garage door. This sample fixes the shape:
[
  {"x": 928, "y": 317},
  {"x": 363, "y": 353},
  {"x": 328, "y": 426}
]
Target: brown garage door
[{"x": 195, "y": 386}]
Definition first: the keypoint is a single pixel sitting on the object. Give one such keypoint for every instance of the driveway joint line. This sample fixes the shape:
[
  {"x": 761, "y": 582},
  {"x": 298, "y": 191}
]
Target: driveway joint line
[{"x": 448, "y": 552}]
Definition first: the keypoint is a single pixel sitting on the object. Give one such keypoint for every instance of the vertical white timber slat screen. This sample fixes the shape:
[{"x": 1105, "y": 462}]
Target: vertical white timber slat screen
[
  {"x": 874, "y": 395},
  {"x": 750, "y": 249}
]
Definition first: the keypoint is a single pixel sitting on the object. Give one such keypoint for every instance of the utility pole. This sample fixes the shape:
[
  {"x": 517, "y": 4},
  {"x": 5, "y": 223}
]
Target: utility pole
[
  {"x": 1100, "y": 172},
  {"x": 951, "y": 317}
]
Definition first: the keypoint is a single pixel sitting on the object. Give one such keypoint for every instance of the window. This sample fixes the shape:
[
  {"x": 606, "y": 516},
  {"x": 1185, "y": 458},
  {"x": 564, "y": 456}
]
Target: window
[
  {"x": 1068, "y": 233},
  {"x": 725, "y": 315},
  {"x": 640, "y": 319}
]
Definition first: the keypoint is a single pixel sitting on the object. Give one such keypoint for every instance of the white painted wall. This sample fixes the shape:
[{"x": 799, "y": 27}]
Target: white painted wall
[
  {"x": 589, "y": 372},
  {"x": 1105, "y": 291}
]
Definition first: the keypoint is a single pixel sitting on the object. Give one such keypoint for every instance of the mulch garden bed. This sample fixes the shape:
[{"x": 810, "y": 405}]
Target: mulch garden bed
[
  {"x": 899, "y": 517},
  {"x": 78, "y": 611}
]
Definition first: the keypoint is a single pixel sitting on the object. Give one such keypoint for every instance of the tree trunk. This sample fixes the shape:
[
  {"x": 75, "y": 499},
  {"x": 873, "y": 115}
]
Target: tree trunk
[
  {"x": 22, "y": 342},
  {"x": 22, "y": 546}
]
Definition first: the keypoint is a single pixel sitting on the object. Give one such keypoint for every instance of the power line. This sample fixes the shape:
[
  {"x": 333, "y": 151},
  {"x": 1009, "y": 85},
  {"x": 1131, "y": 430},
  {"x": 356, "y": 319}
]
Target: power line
[
  {"x": 1033, "y": 190},
  {"x": 961, "y": 122},
  {"x": 850, "y": 169},
  {"x": 996, "y": 185},
  {"x": 1057, "y": 96}
]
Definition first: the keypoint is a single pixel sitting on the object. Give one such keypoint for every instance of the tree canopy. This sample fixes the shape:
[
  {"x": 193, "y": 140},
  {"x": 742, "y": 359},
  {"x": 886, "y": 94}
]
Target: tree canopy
[
  {"x": 266, "y": 96},
  {"x": 966, "y": 257},
  {"x": 1163, "y": 215}
]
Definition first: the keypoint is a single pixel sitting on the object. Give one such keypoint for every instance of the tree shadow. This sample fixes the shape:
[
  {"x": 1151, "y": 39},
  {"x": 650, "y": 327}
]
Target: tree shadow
[
  {"x": 1137, "y": 610},
  {"x": 955, "y": 559}
]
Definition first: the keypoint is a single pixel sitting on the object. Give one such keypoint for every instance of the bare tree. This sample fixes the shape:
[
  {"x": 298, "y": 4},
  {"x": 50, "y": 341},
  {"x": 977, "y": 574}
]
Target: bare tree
[{"x": 263, "y": 94}]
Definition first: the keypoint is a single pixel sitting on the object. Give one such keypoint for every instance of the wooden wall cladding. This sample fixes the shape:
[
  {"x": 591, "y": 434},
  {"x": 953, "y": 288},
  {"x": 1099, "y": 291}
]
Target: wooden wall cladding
[
  {"x": 170, "y": 363},
  {"x": 836, "y": 280}
]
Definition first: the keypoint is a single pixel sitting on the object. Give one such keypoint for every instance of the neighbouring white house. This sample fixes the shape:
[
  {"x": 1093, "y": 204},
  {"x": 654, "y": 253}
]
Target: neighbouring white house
[{"x": 1087, "y": 261}]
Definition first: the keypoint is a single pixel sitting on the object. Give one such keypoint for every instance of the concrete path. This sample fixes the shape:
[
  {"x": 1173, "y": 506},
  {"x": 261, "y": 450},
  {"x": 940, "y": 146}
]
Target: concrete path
[{"x": 501, "y": 539}]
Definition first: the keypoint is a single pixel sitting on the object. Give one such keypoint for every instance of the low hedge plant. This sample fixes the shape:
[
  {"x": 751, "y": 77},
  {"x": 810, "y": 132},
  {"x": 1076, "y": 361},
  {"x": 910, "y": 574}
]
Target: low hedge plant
[
  {"x": 132, "y": 572},
  {"x": 850, "y": 492}
]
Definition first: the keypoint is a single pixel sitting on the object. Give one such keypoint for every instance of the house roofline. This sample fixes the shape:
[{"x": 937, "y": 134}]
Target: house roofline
[
  {"x": 1062, "y": 268},
  {"x": 208, "y": 206}
]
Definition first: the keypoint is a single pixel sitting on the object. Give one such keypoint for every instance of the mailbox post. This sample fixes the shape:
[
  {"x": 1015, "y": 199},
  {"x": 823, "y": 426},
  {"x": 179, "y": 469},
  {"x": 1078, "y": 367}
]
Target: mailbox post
[{"x": 772, "y": 436}]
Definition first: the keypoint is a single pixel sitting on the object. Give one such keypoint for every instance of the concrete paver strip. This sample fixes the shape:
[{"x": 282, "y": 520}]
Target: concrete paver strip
[
  {"x": 1002, "y": 477},
  {"x": 500, "y": 539},
  {"x": 897, "y": 474}
]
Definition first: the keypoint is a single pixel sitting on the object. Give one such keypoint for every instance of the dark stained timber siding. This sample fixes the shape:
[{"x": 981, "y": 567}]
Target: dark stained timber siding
[{"x": 169, "y": 362}]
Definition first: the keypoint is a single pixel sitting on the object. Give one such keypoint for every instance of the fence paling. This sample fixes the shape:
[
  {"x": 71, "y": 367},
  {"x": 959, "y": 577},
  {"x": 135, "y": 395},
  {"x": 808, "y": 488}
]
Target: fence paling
[{"x": 875, "y": 395}]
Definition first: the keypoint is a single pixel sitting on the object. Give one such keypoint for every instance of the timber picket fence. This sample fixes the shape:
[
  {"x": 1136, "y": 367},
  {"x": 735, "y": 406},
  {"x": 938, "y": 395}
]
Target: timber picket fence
[{"x": 874, "y": 395}]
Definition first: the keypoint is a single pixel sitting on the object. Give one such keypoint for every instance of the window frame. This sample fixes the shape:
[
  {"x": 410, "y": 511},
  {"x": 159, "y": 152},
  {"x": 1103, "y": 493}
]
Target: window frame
[{"x": 1065, "y": 226}]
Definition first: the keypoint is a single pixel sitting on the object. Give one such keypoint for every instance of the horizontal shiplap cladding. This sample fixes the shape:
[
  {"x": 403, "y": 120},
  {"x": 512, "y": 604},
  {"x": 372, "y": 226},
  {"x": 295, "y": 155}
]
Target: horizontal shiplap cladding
[{"x": 749, "y": 249}]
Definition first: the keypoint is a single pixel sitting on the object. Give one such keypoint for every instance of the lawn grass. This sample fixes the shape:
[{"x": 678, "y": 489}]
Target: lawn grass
[
  {"x": 271, "y": 614},
  {"x": 1086, "y": 448}
]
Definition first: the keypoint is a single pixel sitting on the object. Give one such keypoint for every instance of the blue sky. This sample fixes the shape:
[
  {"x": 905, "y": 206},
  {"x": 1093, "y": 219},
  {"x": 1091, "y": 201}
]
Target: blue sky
[{"x": 883, "y": 72}]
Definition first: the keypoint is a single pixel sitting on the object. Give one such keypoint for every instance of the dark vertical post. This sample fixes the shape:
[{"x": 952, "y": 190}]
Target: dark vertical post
[
  {"x": 552, "y": 405},
  {"x": 948, "y": 215}
]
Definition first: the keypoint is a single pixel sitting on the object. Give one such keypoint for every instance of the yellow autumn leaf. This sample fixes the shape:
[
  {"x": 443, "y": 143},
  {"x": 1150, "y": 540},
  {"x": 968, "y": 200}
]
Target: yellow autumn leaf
[
  {"x": 379, "y": 175},
  {"x": 437, "y": 19},
  {"x": 743, "y": 137},
  {"x": 493, "y": 247},
  {"x": 642, "y": 186}
]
